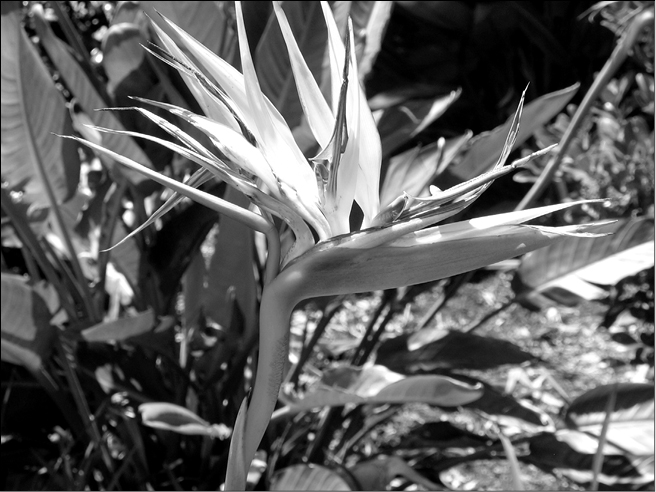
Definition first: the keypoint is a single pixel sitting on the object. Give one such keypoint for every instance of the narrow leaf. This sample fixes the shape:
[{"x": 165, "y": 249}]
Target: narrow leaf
[
  {"x": 167, "y": 416},
  {"x": 376, "y": 385},
  {"x": 449, "y": 350},
  {"x": 88, "y": 97},
  {"x": 120, "y": 329},
  {"x": 33, "y": 108}
]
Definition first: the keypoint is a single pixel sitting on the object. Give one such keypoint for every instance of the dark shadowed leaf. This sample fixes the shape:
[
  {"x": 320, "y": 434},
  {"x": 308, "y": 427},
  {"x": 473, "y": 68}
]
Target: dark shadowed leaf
[
  {"x": 32, "y": 109},
  {"x": 377, "y": 474},
  {"x": 401, "y": 123},
  {"x": 484, "y": 150},
  {"x": 232, "y": 265},
  {"x": 121, "y": 329},
  {"x": 631, "y": 425},
  {"x": 578, "y": 268},
  {"x": 205, "y": 21},
  {"x": 514, "y": 415},
  {"x": 571, "y": 453},
  {"x": 167, "y": 416},
  {"x": 441, "y": 435},
  {"x": 27, "y": 336},
  {"x": 309, "y": 477},
  {"x": 445, "y": 349}
]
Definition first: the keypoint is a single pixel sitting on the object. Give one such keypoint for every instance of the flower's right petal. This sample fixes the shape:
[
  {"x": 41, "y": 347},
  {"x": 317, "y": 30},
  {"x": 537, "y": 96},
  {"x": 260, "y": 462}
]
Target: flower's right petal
[{"x": 368, "y": 157}]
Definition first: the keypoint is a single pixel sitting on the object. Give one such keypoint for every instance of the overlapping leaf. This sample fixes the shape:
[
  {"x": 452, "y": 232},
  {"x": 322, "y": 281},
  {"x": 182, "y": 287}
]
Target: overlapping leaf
[{"x": 584, "y": 268}]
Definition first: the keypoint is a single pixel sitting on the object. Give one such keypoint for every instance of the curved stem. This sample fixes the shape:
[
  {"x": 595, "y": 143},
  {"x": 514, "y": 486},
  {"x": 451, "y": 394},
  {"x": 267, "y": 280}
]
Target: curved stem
[
  {"x": 278, "y": 301},
  {"x": 614, "y": 62}
]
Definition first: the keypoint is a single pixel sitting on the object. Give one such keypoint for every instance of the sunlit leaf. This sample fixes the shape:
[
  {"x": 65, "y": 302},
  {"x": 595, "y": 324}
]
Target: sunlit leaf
[
  {"x": 631, "y": 424},
  {"x": 571, "y": 453},
  {"x": 33, "y": 108},
  {"x": 377, "y": 385},
  {"x": 578, "y": 268},
  {"x": 167, "y": 416},
  {"x": 309, "y": 477}
]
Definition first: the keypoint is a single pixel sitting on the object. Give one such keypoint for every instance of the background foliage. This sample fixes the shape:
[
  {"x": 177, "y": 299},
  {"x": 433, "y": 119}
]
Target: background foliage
[{"x": 124, "y": 369}]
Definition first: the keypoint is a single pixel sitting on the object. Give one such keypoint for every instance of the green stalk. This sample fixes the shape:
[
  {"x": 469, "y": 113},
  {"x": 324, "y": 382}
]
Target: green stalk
[
  {"x": 620, "y": 53},
  {"x": 598, "y": 460}
]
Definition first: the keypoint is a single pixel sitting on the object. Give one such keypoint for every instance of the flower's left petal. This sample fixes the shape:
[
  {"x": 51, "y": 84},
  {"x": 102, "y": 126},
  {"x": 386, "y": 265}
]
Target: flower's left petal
[{"x": 286, "y": 160}]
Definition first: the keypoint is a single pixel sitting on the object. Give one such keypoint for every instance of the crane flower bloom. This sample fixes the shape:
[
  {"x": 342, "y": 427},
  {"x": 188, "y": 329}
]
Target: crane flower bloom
[{"x": 253, "y": 150}]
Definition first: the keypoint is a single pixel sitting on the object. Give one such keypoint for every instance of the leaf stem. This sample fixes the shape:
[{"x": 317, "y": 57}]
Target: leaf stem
[{"x": 616, "y": 59}]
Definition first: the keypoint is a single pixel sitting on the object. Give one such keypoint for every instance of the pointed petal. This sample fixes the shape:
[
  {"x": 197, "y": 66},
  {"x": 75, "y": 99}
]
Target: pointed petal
[
  {"x": 195, "y": 180},
  {"x": 316, "y": 109},
  {"x": 210, "y": 106},
  {"x": 247, "y": 217},
  {"x": 369, "y": 154},
  {"x": 287, "y": 162}
]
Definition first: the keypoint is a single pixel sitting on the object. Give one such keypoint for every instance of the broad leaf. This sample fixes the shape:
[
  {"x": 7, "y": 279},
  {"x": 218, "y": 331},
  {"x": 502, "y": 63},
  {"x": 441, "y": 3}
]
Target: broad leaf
[
  {"x": 441, "y": 435},
  {"x": 27, "y": 336},
  {"x": 167, "y": 416},
  {"x": 631, "y": 425},
  {"x": 376, "y": 474},
  {"x": 514, "y": 415},
  {"x": 232, "y": 265},
  {"x": 32, "y": 109},
  {"x": 309, "y": 477},
  {"x": 432, "y": 349},
  {"x": 378, "y": 385},
  {"x": 88, "y": 98},
  {"x": 578, "y": 268},
  {"x": 484, "y": 149},
  {"x": 121, "y": 329},
  {"x": 572, "y": 452}
]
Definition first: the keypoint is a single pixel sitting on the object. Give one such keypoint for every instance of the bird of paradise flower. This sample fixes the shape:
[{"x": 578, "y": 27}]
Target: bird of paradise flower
[{"x": 254, "y": 151}]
